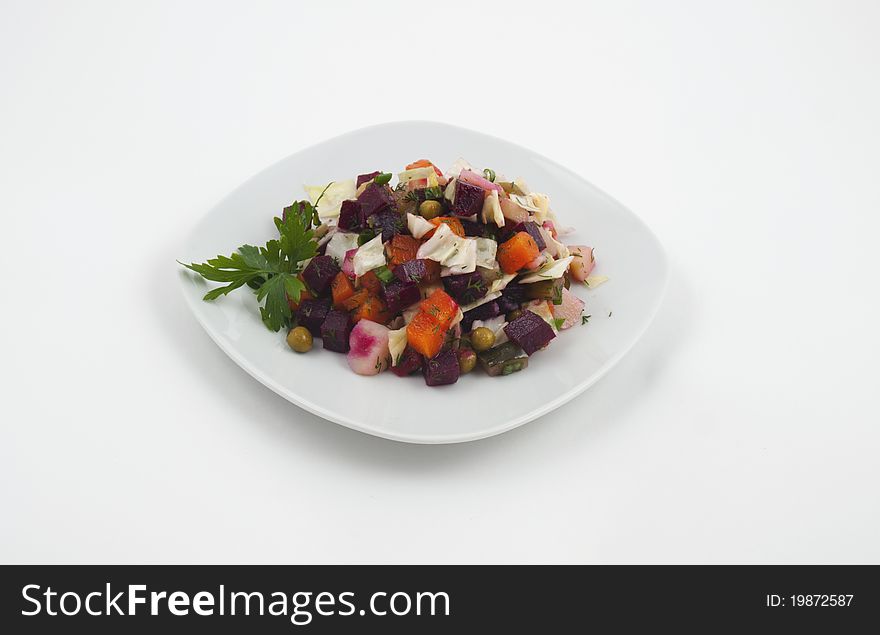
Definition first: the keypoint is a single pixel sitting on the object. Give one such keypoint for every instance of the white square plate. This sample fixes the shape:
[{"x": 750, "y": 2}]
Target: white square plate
[{"x": 405, "y": 409}]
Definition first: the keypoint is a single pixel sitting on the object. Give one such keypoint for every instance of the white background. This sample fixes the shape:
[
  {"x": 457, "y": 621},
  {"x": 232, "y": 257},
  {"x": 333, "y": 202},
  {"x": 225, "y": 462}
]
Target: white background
[{"x": 742, "y": 428}]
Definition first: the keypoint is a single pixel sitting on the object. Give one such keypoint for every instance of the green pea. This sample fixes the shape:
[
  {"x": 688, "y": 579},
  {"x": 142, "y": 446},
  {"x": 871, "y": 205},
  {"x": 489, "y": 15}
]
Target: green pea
[
  {"x": 467, "y": 360},
  {"x": 430, "y": 209},
  {"x": 300, "y": 339},
  {"x": 482, "y": 339}
]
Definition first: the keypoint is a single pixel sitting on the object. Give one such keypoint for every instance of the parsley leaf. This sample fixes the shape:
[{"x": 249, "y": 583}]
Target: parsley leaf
[{"x": 271, "y": 270}]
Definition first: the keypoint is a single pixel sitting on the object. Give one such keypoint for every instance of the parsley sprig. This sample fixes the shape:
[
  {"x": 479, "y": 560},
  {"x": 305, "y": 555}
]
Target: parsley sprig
[{"x": 271, "y": 270}]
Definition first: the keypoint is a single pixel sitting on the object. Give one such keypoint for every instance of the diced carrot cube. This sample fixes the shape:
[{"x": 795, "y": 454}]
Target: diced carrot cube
[
  {"x": 403, "y": 249},
  {"x": 517, "y": 252},
  {"x": 453, "y": 223},
  {"x": 342, "y": 289},
  {"x": 441, "y": 307},
  {"x": 433, "y": 268},
  {"x": 372, "y": 309},
  {"x": 370, "y": 281},
  {"x": 356, "y": 299},
  {"x": 425, "y": 335}
]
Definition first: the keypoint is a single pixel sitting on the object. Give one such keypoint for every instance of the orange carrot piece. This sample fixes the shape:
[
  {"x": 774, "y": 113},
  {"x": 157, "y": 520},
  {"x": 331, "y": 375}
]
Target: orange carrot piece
[
  {"x": 440, "y": 306},
  {"x": 517, "y": 252},
  {"x": 453, "y": 223},
  {"x": 342, "y": 289},
  {"x": 356, "y": 299},
  {"x": 424, "y": 334},
  {"x": 433, "y": 268},
  {"x": 424, "y": 163},
  {"x": 403, "y": 249},
  {"x": 370, "y": 281},
  {"x": 372, "y": 309}
]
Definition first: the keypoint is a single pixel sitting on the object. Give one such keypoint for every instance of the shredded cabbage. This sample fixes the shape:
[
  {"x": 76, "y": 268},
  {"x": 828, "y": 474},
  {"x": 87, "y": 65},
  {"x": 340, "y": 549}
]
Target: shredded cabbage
[
  {"x": 492, "y": 209},
  {"x": 486, "y": 251},
  {"x": 457, "y": 254},
  {"x": 595, "y": 281},
  {"x": 462, "y": 260},
  {"x": 459, "y": 165},
  {"x": 419, "y": 173},
  {"x": 396, "y": 344},
  {"x": 339, "y": 244},
  {"x": 550, "y": 271},
  {"x": 417, "y": 225},
  {"x": 331, "y": 201},
  {"x": 369, "y": 256},
  {"x": 501, "y": 282}
]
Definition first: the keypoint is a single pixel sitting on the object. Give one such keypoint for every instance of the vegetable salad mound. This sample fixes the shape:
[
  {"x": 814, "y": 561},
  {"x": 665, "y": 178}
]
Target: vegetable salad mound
[{"x": 438, "y": 273}]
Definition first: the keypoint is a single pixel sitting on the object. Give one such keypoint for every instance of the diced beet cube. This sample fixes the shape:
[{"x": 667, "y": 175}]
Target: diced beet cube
[
  {"x": 363, "y": 178},
  {"x": 468, "y": 199},
  {"x": 410, "y": 361},
  {"x": 507, "y": 305},
  {"x": 350, "y": 216},
  {"x": 312, "y": 313},
  {"x": 512, "y": 297},
  {"x": 531, "y": 228},
  {"x": 335, "y": 331},
  {"x": 472, "y": 228},
  {"x": 482, "y": 312},
  {"x": 530, "y": 332},
  {"x": 412, "y": 271},
  {"x": 466, "y": 288},
  {"x": 375, "y": 198},
  {"x": 442, "y": 369},
  {"x": 319, "y": 273},
  {"x": 390, "y": 222},
  {"x": 400, "y": 295}
]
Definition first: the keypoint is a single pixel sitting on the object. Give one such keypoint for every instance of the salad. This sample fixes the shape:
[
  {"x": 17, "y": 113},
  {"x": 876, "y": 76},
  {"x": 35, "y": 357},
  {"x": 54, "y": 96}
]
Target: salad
[{"x": 438, "y": 272}]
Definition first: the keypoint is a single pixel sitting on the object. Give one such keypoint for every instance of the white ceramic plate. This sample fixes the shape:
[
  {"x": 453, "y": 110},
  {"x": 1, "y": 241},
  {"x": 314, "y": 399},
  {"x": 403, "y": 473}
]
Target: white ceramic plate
[{"x": 405, "y": 409}]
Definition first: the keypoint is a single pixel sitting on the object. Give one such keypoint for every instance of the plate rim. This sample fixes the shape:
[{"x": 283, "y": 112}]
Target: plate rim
[{"x": 432, "y": 439}]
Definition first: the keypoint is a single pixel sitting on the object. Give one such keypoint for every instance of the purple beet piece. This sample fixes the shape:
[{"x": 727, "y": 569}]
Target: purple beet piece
[
  {"x": 335, "y": 331},
  {"x": 374, "y": 199},
  {"x": 472, "y": 228},
  {"x": 530, "y": 332},
  {"x": 507, "y": 305},
  {"x": 319, "y": 273},
  {"x": 363, "y": 178},
  {"x": 512, "y": 297},
  {"x": 410, "y": 361},
  {"x": 482, "y": 312},
  {"x": 350, "y": 216},
  {"x": 468, "y": 199},
  {"x": 466, "y": 288},
  {"x": 532, "y": 230},
  {"x": 390, "y": 222},
  {"x": 312, "y": 313},
  {"x": 400, "y": 295},
  {"x": 411, "y": 271},
  {"x": 442, "y": 369}
]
